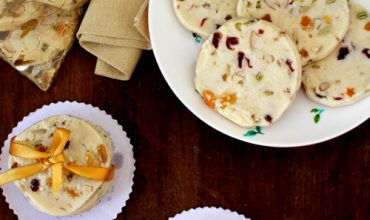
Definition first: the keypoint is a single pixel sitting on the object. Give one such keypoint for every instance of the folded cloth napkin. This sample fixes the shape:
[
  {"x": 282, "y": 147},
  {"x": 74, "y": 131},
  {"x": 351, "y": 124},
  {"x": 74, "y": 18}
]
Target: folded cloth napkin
[{"x": 115, "y": 31}]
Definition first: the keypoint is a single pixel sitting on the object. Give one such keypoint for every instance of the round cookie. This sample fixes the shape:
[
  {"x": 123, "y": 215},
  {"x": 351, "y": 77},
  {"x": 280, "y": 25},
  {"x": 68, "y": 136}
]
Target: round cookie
[
  {"x": 16, "y": 12},
  {"x": 244, "y": 80},
  {"x": 39, "y": 40},
  {"x": 85, "y": 146},
  {"x": 343, "y": 77},
  {"x": 203, "y": 17},
  {"x": 317, "y": 27},
  {"x": 64, "y": 4}
]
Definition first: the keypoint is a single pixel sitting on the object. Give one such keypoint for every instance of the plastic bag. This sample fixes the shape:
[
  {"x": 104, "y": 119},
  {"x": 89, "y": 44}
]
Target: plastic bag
[{"x": 35, "y": 37}]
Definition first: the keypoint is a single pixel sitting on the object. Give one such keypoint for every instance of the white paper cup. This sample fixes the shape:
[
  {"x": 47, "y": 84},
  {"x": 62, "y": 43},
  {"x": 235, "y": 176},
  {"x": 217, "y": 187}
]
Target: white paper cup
[
  {"x": 111, "y": 204},
  {"x": 208, "y": 213}
]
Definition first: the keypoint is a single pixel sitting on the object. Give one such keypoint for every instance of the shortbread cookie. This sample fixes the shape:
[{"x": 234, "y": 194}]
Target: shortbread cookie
[
  {"x": 89, "y": 145},
  {"x": 203, "y": 17},
  {"x": 317, "y": 27},
  {"x": 64, "y": 4},
  {"x": 249, "y": 72},
  {"x": 343, "y": 78},
  {"x": 16, "y": 12}
]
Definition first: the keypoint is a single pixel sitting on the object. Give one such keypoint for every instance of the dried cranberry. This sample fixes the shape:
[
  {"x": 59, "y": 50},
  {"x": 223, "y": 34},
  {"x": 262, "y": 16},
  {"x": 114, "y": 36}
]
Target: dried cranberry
[
  {"x": 67, "y": 145},
  {"x": 240, "y": 59},
  {"x": 231, "y": 41},
  {"x": 41, "y": 148},
  {"x": 268, "y": 118},
  {"x": 69, "y": 177},
  {"x": 35, "y": 184},
  {"x": 337, "y": 98},
  {"x": 289, "y": 64},
  {"x": 366, "y": 52},
  {"x": 266, "y": 17},
  {"x": 216, "y": 39},
  {"x": 260, "y": 31},
  {"x": 14, "y": 165},
  {"x": 203, "y": 21},
  {"x": 343, "y": 52},
  {"x": 249, "y": 62}
]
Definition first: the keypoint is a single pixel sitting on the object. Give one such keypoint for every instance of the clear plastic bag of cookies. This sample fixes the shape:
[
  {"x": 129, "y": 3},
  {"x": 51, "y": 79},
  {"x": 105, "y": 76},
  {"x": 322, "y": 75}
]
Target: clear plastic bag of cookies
[{"x": 35, "y": 35}]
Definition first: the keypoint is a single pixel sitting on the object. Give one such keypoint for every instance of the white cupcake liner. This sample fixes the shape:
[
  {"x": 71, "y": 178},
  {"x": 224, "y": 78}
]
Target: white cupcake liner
[
  {"x": 207, "y": 213},
  {"x": 111, "y": 204}
]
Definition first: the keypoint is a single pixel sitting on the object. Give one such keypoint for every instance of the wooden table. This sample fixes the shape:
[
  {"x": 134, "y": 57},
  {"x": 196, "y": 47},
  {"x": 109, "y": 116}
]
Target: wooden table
[{"x": 183, "y": 163}]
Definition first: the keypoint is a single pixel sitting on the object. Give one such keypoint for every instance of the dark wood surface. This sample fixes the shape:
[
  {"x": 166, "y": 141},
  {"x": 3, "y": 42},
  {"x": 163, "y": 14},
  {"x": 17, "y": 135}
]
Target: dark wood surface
[{"x": 183, "y": 163}]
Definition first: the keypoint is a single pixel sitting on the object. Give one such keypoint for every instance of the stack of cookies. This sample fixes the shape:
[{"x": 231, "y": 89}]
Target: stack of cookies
[
  {"x": 257, "y": 54},
  {"x": 35, "y": 35}
]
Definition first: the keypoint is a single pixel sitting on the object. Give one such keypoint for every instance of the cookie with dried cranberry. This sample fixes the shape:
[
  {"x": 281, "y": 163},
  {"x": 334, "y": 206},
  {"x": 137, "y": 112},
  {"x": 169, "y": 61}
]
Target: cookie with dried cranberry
[
  {"x": 16, "y": 12},
  {"x": 317, "y": 27},
  {"x": 244, "y": 80},
  {"x": 203, "y": 17},
  {"x": 343, "y": 78},
  {"x": 88, "y": 145}
]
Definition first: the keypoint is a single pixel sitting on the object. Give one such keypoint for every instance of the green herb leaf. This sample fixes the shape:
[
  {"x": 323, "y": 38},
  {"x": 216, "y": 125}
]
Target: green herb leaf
[
  {"x": 250, "y": 134},
  {"x": 317, "y": 118},
  {"x": 314, "y": 110}
]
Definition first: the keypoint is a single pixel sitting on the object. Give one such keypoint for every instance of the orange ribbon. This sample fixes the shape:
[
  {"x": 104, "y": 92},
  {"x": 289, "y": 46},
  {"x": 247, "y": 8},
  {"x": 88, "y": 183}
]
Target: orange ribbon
[{"x": 55, "y": 160}]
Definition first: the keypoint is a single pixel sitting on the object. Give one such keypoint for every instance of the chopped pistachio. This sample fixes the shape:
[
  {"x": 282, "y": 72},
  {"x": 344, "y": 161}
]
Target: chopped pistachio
[
  {"x": 362, "y": 15},
  {"x": 259, "y": 77}
]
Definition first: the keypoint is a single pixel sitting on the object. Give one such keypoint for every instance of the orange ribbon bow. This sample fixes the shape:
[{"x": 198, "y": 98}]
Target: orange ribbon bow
[{"x": 55, "y": 160}]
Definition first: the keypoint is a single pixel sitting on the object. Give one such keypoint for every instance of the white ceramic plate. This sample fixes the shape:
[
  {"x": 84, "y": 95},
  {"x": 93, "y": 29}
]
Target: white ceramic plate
[
  {"x": 176, "y": 52},
  {"x": 208, "y": 213}
]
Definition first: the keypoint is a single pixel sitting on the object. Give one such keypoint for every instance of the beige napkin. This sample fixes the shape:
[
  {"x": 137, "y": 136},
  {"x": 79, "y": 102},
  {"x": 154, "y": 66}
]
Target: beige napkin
[{"x": 115, "y": 31}]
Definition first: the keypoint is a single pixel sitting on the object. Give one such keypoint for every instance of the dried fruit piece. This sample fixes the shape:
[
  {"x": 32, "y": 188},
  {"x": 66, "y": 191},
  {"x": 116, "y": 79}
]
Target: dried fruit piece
[
  {"x": 102, "y": 152},
  {"x": 70, "y": 177},
  {"x": 303, "y": 53},
  {"x": 249, "y": 62},
  {"x": 14, "y": 165},
  {"x": 266, "y": 17},
  {"x": 289, "y": 63},
  {"x": 367, "y": 26},
  {"x": 350, "y": 92},
  {"x": 227, "y": 100},
  {"x": 216, "y": 39},
  {"x": 35, "y": 184},
  {"x": 343, "y": 52},
  {"x": 240, "y": 59},
  {"x": 41, "y": 148},
  {"x": 306, "y": 22},
  {"x": 268, "y": 118},
  {"x": 72, "y": 193},
  {"x": 209, "y": 98},
  {"x": 28, "y": 27},
  {"x": 231, "y": 41},
  {"x": 203, "y": 21},
  {"x": 366, "y": 51}
]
